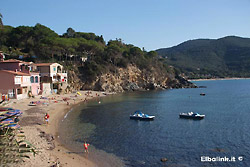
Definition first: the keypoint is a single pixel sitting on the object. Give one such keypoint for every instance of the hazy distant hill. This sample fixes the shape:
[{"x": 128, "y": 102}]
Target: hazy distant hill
[{"x": 205, "y": 58}]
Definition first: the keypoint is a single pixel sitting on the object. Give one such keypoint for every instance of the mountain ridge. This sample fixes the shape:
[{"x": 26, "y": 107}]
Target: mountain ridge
[{"x": 210, "y": 58}]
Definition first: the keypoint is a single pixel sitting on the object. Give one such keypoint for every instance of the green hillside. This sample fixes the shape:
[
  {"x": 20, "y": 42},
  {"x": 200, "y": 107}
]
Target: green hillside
[
  {"x": 210, "y": 58},
  {"x": 41, "y": 44},
  {"x": 89, "y": 58}
]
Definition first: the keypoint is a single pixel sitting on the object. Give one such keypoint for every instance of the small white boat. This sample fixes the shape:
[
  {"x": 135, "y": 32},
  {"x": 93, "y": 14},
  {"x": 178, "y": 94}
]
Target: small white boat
[
  {"x": 191, "y": 115},
  {"x": 141, "y": 116}
]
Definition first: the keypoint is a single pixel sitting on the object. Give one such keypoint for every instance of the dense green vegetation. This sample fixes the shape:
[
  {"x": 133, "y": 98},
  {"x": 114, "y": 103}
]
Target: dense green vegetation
[
  {"x": 41, "y": 44},
  {"x": 207, "y": 58}
]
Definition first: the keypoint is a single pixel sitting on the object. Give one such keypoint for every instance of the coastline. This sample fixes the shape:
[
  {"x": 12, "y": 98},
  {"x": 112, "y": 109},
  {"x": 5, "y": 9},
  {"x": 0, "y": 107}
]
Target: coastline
[
  {"x": 216, "y": 79},
  {"x": 45, "y": 137}
]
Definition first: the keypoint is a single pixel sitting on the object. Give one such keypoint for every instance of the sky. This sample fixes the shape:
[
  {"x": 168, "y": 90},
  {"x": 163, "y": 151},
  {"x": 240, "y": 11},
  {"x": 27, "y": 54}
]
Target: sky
[{"x": 151, "y": 24}]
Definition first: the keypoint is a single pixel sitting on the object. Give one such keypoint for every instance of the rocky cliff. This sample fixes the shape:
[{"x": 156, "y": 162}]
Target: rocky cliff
[{"x": 130, "y": 79}]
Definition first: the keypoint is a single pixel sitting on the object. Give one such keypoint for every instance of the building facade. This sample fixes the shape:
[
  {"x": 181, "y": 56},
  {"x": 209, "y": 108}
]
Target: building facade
[
  {"x": 19, "y": 78},
  {"x": 15, "y": 84}
]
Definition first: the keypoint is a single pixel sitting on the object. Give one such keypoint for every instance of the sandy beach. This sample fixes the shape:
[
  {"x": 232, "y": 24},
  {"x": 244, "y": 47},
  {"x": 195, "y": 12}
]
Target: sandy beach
[{"x": 45, "y": 137}]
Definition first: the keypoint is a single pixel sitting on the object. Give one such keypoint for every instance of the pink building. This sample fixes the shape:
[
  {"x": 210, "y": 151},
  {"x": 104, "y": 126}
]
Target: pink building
[
  {"x": 35, "y": 83},
  {"x": 21, "y": 67},
  {"x": 15, "y": 84},
  {"x": 13, "y": 65},
  {"x": 43, "y": 77}
]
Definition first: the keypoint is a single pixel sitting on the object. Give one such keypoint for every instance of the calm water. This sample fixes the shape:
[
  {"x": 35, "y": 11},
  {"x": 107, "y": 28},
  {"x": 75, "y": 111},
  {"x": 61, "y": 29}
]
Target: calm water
[{"x": 113, "y": 136}]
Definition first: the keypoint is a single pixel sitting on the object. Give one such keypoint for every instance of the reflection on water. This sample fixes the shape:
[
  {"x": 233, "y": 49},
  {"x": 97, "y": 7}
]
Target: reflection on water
[{"x": 223, "y": 132}]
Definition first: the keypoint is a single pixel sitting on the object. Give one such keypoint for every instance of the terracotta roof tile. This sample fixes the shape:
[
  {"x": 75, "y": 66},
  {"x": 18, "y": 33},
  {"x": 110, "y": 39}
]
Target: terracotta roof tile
[
  {"x": 14, "y": 61},
  {"x": 43, "y": 64},
  {"x": 15, "y": 73}
]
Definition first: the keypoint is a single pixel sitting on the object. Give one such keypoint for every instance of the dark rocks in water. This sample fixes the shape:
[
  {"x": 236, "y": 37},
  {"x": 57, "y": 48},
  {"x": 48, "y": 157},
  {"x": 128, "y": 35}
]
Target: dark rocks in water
[
  {"x": 151, "y": 86},
  {"x": 164, "y": 159},
  {"x": 132, "y": 86},
  {"x": 218, "y": 149}
]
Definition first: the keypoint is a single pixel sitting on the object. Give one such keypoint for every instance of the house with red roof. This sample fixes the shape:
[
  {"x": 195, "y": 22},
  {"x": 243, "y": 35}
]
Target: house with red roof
[
  {"x": 20, "y": 67},
  {"x": 53, "y": 73},
  {"x": 15, "y": 84},
  {"x": 43, "y": 77}
]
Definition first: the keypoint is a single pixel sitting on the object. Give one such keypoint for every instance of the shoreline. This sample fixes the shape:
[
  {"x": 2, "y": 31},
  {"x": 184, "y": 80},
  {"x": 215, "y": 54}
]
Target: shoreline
[
  {"x": 216, "y": 79},
  {"x": 45, "y": 137}
]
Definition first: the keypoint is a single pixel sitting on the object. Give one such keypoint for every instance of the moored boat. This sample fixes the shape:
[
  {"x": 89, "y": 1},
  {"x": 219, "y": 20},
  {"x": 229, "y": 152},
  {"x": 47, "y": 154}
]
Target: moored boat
[
  {"x": 141, "y": 116},
  {"x": 147, "y": 117},
  {"x": 136, "y": 115},
  {"x": 191, "y": 115}
]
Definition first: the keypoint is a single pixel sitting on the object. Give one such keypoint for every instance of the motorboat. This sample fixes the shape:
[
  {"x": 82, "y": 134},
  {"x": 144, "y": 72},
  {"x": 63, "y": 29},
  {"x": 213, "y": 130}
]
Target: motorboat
[
  {"x": 203, "y": 94},
  {"x": 191, "y": 115},
  {"x": 147, "y": 117},
  {"x": 138, "y": 115}
]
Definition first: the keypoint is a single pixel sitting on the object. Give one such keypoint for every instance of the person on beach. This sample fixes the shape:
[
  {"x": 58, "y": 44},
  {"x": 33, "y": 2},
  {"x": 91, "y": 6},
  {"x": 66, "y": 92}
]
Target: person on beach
[
  {"x": 86, "y": 145},
  {"x": 46, "y": 118}
]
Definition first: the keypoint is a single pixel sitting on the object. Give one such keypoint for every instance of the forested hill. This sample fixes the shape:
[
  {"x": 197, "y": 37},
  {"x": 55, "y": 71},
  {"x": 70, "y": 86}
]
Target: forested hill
[
  {"x": 91, "y": 62},
  {"x": 211, "y": 58}
]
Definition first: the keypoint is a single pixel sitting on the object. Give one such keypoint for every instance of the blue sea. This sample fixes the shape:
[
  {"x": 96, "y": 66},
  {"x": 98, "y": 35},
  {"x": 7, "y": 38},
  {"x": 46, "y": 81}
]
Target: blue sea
[{"x": 116, "y": 140}]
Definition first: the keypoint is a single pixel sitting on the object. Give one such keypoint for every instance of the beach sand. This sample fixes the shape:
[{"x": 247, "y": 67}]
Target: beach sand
[{"x": 45, "y": 137}]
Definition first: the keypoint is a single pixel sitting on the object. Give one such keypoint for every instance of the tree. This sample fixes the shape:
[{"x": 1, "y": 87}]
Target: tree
[
  {"x": 70, "y": 32},
  {"x": 1, "y": 22}
]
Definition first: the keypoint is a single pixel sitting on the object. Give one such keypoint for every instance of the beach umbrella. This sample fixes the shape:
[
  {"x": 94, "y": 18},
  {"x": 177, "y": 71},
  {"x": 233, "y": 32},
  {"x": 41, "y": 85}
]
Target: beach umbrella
[
  {"x": 15, "y": 112},
  {"x": 10, "y": 125},
  {"x": 9, "y": 122},
  {"x": 6, "y": 109},
  {"x": 14, "y": 126}
]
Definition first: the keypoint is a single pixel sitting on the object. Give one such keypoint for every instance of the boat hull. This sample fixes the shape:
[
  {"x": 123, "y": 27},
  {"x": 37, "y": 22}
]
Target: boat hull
[
  {"x": 192, "y": 117},
  {"x": 147, "y": 119},
  {"x": 142, "y": 118},
  {"x": 136, "y": 118}
]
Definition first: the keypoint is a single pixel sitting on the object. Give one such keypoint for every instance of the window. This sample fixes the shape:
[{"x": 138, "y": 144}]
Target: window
[
  {"x": 54, "y": 68},
  {"x": 19, "y": 91},
  {"x": 17, "y": 80},
  {"x": 59, "y": 69},
  {"x": 32, "y": 79},
  {"x": 36, "y": 79}
]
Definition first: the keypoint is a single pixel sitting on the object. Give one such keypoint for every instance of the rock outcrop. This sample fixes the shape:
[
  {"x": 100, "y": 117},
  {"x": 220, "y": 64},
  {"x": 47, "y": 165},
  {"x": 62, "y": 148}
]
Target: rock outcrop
[{"x": 133, "y": 79}]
